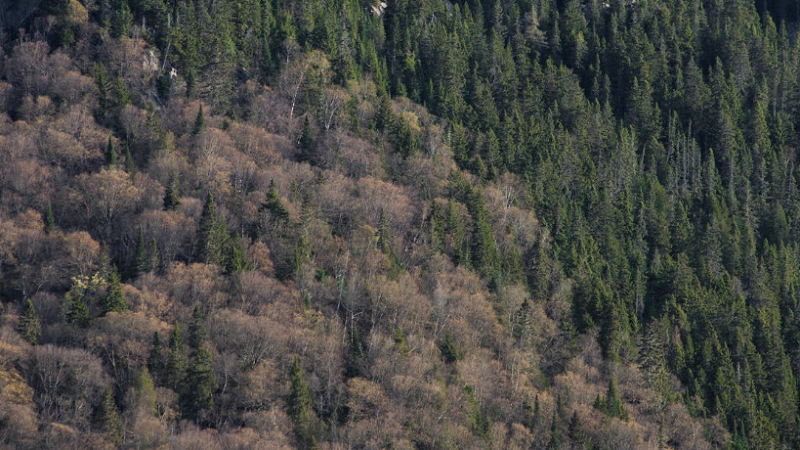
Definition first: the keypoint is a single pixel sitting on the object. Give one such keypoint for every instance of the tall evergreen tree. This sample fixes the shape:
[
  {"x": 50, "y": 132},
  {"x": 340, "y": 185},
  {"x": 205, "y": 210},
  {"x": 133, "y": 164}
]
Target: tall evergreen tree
[
  {"x": 49, "y": 220},
  {"x": 30, "y": 326},
  {"x": 299, "y": 406},
  {"x": 176, "y": 359},
  {"x": 172, "y": 197},
  {"x": 199, "y": 122},
  {"x": 110, "y": 422},
  {"x": 308, "y": 145},
  {"x": 111, "y": 153},
  {"x": 114, "y": 301},
  {"x": 212, "y": 234}
]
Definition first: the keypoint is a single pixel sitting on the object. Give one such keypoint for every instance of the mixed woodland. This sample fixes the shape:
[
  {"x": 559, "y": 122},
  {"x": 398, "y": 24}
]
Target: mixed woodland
[{"x": 410, "y": 224}]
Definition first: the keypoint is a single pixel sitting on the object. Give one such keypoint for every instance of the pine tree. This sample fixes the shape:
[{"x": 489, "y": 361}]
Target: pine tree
[
  {"x": 111, "y": 153},
  {"x": 78, "y": 310},
  {"x": 236, "y": 260},
  {"x": 197, "y": 397},
  {"x": 199, "y": 122},
  {"x": 274, "y": 205},
  {"x": 30, "y": 326},
  {"x": 308, "y": 146},
  {"x": 130, "y": 164},
  {"x": 114, "y": 301},
  {"x": 141, "y": 261},
  {"x": 450, "y": 350},
  {"x": 299, "y": 406},
  {"x": 49, "y": 220},
  {"x": 356, "y": 354},
  {"x": 212, "y": 234},
  {"x": 176, "y": 360},
  {"x": 110, "y": 422},
  {"x": 555, "y": 439},
  {"x": 145, "y": 392},
  {"x": 172, "y": 197}
]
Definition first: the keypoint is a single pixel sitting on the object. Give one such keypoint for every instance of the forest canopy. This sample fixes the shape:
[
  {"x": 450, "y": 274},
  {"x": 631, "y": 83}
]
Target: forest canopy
[{"x": 410, "y": 224}]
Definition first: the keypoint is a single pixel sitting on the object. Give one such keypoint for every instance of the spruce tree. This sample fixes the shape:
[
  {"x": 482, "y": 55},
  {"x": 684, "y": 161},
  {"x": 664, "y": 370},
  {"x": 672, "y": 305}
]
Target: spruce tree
[
  {"x": 236, "y": 260},
  {"x": 274, "y": 205},
  {"x": 77, "y": 309},
  {"x": 130, "y": 164},
  {"x": 110, "y": 422},
  {"x": 114, "y": 299},
  {"x": 111, "y": 153},
  {"x": 199, "y": 122},
  {"x": 197, "y": 397},
  {"x": 141, "y": 260},
  {"x": 172, "y": 197},
  {"x": 555, "y": 439},
  {"x": 299, "y": 405},
  {"x": 308, "y": 146},
  {"x": 30, "y": 326},
  {"x": 49, "y": 220},
  {"x": 145, "y": 392},
  {"x": 176, "y": 359},
  {"x": 212, "y": 234}
]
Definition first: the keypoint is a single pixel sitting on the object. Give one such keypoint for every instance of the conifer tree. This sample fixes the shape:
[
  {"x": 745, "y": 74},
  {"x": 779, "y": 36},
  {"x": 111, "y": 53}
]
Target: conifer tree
[
  {"x": 308, "y": 146},
  {"x": 555, "y": 439},
  {"x": 110, "y": 422},
  {"x": 197, "y": 396},
  {"x": 450, "y": 350},
  {"x": 176, "y": 359},
  {"x": 130, "y": 164},
  {"x": 212, "y": 234},
  {"x": 49, "y": 220},
  {"x": 236, "y": 260},
  {"x": 141, "y": 260},
  {"x": 274, "y": 205},
  {"x": 199, "y": 122},
  {"x": 172, "y": 197},
  {"x": 30, "y": 326},
  {"x": 356, "y": 354},
  {"x": 145, "y": 392},
  {"x": 111, "y": 153},
  {"x": 77, "y": 309},
  {"x": 299, "y": 406},
  {"x": 114, "y": 299}
]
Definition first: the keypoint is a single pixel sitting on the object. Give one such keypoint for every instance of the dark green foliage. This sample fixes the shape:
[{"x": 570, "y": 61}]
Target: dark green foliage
[
  {"x": 177, "y": 360},
  {"x": 307, "y": 144},
  {"x": 172, "y": 197},
  {"x": 49, "y": 220},
  {"x": 78, "y": 312},
  {"x": 109, "y": 420},
  {"x": 611, "y": 404},
  {"x": 130, "y": 164},
  {"x": 299, "y": 407},
  {"x": 212, "y": 234},
  {"x": 30, "y": 326},
  {"x": 111, "y": 153},
  {"x": 199, "y": 122},
  {"x": 236, "y": 259},
  {"x": 451, "y": 352},
  {"x": 141, "y": 260},
  {"x": 114, "y": 300},
  {"x": 274, "y": 205}
]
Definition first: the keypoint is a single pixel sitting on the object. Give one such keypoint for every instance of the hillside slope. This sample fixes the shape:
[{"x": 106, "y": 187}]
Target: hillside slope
[{"x": 499, "y": 224}]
